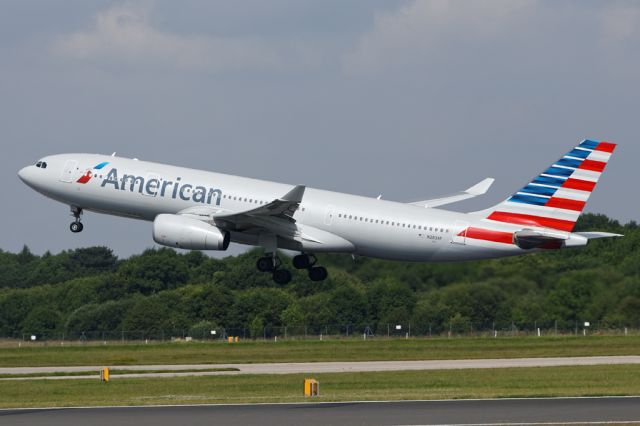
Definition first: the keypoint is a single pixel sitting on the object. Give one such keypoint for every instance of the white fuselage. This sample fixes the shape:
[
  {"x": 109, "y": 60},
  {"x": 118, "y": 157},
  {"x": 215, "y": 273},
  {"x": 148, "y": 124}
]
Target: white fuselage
[{"x": 374, "y": 227}]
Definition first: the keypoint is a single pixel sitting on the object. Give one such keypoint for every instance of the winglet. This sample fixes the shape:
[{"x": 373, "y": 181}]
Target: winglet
[
  {"x": 295, "y": 195},
  {"x": 481, "y": 187}
]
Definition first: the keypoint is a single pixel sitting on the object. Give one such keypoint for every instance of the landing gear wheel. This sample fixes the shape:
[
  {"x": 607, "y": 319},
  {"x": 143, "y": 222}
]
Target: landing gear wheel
[
  {"x": 304, "y": 261},
  {"x": 282, "y": 276},
  {"x": 265, "y": 264},
  {"x": 318, "y": 273},
  {"x": 76, "y": 227}
]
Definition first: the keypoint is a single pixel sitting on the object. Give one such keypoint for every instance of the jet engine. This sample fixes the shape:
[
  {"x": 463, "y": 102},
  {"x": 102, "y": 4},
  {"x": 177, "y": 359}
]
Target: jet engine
[{"x": 186, "y": 233}]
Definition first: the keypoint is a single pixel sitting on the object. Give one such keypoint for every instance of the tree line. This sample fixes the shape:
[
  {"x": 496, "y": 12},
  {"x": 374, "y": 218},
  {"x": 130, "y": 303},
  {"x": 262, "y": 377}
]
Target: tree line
[{"x": 91, "y": 290}]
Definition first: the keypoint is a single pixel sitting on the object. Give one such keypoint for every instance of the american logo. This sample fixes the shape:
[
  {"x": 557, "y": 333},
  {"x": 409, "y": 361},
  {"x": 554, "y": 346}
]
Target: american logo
[{"x": 86, "y": 177}]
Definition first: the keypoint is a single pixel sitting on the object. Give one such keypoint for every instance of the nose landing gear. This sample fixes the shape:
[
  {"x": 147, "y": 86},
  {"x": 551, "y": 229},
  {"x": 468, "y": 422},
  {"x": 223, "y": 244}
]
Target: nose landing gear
[{"x": 76, "y": 226}]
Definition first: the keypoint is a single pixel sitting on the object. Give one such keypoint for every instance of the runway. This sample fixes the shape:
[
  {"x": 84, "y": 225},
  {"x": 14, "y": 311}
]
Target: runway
[
  {"x": 319, "y": 367},
  {"x": 460, "y": 412}
]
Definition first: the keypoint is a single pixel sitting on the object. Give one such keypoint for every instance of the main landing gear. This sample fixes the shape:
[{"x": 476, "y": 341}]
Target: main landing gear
[
  {"x": 76, "y": 226},
  {"x": 271, "y": 263},
  {"x": 305, "y": 261}
]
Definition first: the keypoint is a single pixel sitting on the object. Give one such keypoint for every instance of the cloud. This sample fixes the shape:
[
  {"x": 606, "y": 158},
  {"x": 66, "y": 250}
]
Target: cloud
[
  {"x": 411, "y": 33},
  {"x": 620, "y": 21},
  {"x": 124, "y": 34}
]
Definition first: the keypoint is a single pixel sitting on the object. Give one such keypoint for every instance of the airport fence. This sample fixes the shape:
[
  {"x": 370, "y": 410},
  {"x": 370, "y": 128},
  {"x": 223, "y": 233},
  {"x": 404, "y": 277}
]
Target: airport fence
[{"x": 450, "y": 329}]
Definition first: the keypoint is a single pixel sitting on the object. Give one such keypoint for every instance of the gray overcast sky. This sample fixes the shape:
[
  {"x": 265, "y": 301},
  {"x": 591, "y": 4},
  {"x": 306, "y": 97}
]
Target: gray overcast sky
[{"x": 411, "y": 99}]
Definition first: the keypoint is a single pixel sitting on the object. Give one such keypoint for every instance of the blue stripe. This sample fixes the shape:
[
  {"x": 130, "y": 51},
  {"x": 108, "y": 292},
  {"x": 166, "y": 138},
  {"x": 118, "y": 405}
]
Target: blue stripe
[
  {"x": 556, "y": 171},
  {"x": 579, "y": 153},
  {"x": 101, "y": 165},
  {"x": 529, "y": 199},
  {"x": 568, "y": 162},
  {"x": 539, "y": 190},
  {"x": 589, "y": 144},
  {"x": 546, "y": 180}
]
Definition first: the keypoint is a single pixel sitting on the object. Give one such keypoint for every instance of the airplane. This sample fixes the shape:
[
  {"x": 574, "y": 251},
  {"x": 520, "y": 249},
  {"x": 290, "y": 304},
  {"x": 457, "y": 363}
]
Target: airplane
[{"x": 201, "y": 210}]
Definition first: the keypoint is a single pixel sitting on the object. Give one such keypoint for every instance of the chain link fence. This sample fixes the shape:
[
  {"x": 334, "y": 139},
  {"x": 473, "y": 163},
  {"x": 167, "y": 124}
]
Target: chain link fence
[{"x": 454, "y": 328}]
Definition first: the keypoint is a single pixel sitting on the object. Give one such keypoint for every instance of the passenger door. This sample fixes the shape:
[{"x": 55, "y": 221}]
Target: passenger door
[
  {"x": 68, "y": 171},
  {"x": 328, "y": 215},
  {"x": 459, "y": 232}
]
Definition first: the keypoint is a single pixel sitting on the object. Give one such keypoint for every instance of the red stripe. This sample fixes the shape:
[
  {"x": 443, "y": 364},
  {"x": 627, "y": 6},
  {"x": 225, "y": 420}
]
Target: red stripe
[
  {"x": 565, "y": 203},
  {"x": 595, "y": 166},
  {"x": 525, "y": 219},
  {"x": 489, "y": 235},
  {"x": 579, "y": 184},
  {"x": 605, "y": 146}
]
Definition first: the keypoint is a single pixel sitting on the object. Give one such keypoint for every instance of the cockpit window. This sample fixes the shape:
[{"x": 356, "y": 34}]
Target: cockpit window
[
  {"x": 44, "y": 165},
  {"x": 39, "y": 164}
]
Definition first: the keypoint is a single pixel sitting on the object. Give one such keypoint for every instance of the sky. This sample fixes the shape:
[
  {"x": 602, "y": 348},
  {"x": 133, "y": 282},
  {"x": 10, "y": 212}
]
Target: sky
[{"x": 408, "y": 99}]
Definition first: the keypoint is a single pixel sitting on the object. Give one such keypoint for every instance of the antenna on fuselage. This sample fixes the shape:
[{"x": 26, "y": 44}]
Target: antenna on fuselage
[
  {"x": 379, "y": 197},
  {"x": 113, "y": 155}
]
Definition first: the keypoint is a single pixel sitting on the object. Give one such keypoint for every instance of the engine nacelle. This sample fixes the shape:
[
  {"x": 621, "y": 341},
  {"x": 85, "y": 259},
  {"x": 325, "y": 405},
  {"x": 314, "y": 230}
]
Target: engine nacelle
[{"x": 186, "y": 233}]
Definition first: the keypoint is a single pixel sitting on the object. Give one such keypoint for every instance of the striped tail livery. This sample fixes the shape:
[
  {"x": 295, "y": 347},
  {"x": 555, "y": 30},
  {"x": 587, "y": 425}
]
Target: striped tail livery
[
  {"x": 544, "y": 212},
  {"x": 556, "y": 197}
]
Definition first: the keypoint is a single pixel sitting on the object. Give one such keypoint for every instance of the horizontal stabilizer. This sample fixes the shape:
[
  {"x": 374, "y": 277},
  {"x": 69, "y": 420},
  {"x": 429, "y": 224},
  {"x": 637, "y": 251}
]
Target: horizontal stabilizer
[
  {"x": 595, "y": 235},
  {"x": 477, "y": 189}
]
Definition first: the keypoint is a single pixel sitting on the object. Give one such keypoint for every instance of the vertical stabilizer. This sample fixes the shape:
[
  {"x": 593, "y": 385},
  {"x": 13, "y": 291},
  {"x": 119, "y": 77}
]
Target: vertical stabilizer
[{"x": 556, "y": 197}]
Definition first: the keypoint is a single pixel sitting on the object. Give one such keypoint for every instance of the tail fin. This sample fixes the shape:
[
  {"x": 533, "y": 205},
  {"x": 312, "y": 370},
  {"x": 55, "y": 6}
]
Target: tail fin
[{"x": 556, "y": 197}]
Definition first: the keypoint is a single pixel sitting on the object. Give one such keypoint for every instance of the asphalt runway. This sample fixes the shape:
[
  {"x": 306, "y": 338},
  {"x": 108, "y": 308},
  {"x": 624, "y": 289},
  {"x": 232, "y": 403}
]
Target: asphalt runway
[
  {"x": 460, "y": 412},
  {"x": 322, "y": 367}
]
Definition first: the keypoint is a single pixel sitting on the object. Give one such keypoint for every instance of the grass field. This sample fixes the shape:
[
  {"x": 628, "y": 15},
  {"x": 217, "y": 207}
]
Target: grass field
[
  {"x": 444, "y": 384},
  {"x": 309, "y": 351},
  {"x": 112, "y": 372}
]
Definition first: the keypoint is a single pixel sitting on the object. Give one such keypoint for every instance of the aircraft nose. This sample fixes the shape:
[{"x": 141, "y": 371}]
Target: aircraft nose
[{"x": 25, "y": 174}]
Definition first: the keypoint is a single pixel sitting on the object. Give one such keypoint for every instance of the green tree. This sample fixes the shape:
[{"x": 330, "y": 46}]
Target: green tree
[
  {"x": 41, "y": 320},
  {"x": 154, "y": 271},
  {"x": 292, "y": 315},
  {"x": 256, "y": 327}
]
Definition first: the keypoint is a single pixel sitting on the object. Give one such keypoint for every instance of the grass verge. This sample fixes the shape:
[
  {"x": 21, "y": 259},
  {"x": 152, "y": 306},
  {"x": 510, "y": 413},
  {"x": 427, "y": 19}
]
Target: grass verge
[
  {"x": 309, "y": 351},
  {"x": 444, "y": 384},
  {"x": 112, "y": 372}
]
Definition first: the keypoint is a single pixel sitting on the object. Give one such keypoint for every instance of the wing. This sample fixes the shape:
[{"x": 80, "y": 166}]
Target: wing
[
  {"x": 276, "y": 216},
  {"x": 478, "y": 189}
]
